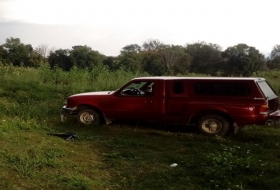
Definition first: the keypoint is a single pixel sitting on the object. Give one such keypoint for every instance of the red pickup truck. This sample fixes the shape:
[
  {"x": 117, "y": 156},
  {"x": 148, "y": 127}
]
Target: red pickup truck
[{"x": 213, "y": 104}]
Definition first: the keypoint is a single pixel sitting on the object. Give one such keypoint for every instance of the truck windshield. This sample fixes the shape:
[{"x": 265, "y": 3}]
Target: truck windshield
[{"x": 267, "y": 90}]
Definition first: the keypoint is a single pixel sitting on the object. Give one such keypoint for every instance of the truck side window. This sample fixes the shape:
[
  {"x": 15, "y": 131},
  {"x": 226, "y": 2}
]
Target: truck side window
[
  {"x": 222, "y": 89},
  {"x": 139, "y": 88},
  {"x": 178, "y": 87}
]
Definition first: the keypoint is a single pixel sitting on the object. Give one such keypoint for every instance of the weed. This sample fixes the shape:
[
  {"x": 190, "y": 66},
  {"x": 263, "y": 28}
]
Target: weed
[{"x": 119, "y": 156}]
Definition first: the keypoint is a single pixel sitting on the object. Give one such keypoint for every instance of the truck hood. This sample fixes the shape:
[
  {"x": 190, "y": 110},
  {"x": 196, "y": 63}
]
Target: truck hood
[{"x": 93, "y": 93}]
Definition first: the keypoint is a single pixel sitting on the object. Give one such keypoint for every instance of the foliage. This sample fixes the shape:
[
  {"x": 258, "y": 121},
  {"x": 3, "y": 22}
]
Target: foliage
[
  {"x": 131, "y": 48},
  {"x": 112, "y": 63},
  {"x": 121, "y": 155},
  {"x": 275, "y": 51},
  {"x": 153, "y": 57},
  {"x": 274, "y": 63},
  {"x": 152, "y": 45},
  {"x": 79, "y": 56},
  {"x": 42, "y": 50},
  {"x": 152, "y": 64},
  {"x": 175, "y": 59},
  {"x": 60, "y": 58},
  {"x": 274, "y": 60},
  {"x": 85, "y": 57},
  {"x": 17, "y": 53},
  {"x": 206, "y": 58},
  {"x": 130, "y": 61},
  {"x": 243, "y": 60}
]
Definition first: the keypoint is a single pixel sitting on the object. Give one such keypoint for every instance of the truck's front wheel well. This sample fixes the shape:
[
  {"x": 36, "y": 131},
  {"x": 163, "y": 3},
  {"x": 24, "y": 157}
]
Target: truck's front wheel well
[{"x": 84, "y": 106}]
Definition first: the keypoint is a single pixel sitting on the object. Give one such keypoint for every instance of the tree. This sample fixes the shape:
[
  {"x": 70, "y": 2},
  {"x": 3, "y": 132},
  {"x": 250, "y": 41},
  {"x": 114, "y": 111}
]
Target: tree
[
  {"x": 3, "y": 55},
  {"x": 175, "y": 57},
  {"x": 80, "y": 56},
  {"x": 42, "y": 50},
  {"x": 152, "y": 45},
  {"x": 152, "y": 63},
  {"x": 60, "y": 58},
  {"x": 274, "y": 63},
  {"x": 112, "y": 63},
  {"x": 275, "y": 52},
  {"x": 206, "y": 58},
  {"x": 17, "y": 52},
  {"x": 85, "y": 57},
  {"x": 36, "y": 59},
  {"x": 131, "y": 48},
  {"x": 274, "y": 60},
  {"x": 20, "y": 54},
  {"x": 130, "y": 58},
  {"x": 243, "y": 60}
]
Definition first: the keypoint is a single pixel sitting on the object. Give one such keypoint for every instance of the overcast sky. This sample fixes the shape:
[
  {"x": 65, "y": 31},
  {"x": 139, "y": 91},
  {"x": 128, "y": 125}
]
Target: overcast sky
[{"x": 109, "y": 25}]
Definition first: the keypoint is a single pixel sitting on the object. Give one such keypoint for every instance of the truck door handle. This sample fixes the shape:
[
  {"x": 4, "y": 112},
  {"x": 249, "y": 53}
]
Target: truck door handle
[{"x": 148, "y": 101}]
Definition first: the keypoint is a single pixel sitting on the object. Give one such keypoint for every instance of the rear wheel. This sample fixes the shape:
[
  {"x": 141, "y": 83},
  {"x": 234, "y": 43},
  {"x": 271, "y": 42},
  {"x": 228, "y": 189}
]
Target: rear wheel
[
  {"x": 213, "y": 125},
  {"x": 89, "y": 117}
]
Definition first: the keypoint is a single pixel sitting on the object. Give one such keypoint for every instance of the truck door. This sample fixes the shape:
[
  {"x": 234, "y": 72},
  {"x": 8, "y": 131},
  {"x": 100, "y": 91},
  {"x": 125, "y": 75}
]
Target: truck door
[{"x": 138, "y": 100}]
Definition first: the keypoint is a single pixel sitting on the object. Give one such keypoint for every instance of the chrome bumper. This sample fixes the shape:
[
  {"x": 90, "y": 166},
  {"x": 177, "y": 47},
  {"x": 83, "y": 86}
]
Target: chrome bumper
[{"x": 67, "y": 111}]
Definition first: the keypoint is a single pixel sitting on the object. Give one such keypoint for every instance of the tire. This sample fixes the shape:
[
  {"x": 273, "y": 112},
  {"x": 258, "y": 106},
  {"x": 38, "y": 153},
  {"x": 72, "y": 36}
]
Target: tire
[
  {"x": 213, "y": 125},
  {"x": 89, "y": 117}
]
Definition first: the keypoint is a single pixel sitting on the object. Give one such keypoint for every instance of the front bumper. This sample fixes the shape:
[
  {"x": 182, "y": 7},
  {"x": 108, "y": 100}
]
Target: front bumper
[
  {"x": 68, "y": 111},
  {"x": 64, "y": 112}
]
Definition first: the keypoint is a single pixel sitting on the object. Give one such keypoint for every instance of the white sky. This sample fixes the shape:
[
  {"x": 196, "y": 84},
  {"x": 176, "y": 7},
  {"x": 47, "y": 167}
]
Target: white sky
[{"x": 109, "y": 25}]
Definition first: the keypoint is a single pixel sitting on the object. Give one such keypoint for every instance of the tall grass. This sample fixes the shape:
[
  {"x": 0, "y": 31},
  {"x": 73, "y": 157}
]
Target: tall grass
[
  {"x": 30, "y": 101},
  {"x": 24, "y": 89},
  {"x": 99, "y": 78},
  {"x": 119, "y": 156}
]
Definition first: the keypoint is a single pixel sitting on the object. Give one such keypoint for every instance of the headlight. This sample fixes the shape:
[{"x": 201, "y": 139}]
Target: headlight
[{"x": 65, "y": 102}]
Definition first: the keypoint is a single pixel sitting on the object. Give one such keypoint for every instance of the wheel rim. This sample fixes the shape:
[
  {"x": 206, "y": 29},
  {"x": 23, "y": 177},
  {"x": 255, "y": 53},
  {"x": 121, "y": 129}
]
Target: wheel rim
[
  {"x": 87, "y": 118},
  {"x": 211, "y": 125}
]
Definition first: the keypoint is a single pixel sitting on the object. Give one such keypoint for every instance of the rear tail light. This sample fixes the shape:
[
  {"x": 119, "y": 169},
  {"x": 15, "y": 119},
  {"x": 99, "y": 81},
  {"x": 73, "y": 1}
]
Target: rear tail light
[{"x": 264, "y": 109}]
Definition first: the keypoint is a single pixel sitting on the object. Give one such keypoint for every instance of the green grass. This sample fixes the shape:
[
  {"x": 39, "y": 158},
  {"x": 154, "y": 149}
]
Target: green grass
[{"x": 121, "y": 155}]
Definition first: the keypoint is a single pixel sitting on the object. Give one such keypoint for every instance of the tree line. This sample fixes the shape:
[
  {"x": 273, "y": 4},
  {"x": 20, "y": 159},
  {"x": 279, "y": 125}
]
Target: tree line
[{"x": 153, "y": 57}]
